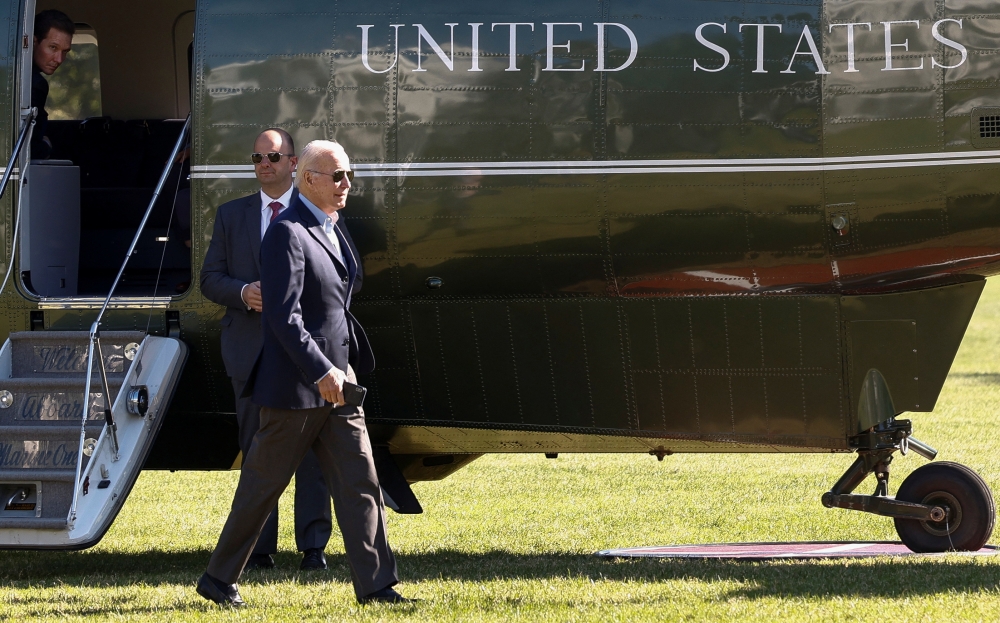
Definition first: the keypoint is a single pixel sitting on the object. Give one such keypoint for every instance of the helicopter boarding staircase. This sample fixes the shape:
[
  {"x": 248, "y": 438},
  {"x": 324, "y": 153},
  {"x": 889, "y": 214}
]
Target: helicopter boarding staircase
[{"x": 79, "y": 412}]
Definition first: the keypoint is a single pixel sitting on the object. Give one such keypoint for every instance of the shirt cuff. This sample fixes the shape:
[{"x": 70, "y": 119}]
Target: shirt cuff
[
  {"x": 328, "y": 373},
  {"x": 243, "y": 299}
]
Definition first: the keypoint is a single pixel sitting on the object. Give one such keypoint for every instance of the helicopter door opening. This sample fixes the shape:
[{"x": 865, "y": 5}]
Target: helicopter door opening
[{"x": 116, "y": 106}]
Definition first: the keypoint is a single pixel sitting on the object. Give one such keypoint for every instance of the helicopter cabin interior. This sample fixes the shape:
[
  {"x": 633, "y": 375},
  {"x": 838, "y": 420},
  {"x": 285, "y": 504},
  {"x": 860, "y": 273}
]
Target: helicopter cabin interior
[{"x": 116, "y": 108}]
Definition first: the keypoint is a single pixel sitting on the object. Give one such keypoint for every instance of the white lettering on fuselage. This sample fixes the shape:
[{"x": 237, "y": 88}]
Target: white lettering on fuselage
[
  {"x": 948, "y": 42},
  {"x": 896, "y": 36},
  {"x": 551, "y": 46},
  {"x": 892, "y": 43}
]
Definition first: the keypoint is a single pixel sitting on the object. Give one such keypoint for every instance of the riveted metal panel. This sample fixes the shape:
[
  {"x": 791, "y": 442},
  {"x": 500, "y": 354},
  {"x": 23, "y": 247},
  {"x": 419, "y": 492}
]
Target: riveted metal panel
[{"x": 577, "y": 300}]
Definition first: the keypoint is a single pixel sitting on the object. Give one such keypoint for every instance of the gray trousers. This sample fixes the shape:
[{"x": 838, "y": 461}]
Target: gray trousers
[
  {"x": 340, "y": 440},
  {"x": 313, "y": 521}
]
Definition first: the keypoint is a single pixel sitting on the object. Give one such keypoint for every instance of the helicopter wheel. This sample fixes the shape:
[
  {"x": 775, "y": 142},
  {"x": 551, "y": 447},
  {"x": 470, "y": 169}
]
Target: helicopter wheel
[{"x": 964, "y": 496}]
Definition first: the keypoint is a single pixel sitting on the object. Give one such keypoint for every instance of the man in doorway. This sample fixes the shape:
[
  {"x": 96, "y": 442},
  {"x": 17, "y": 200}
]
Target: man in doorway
[
  {"x": 312, "y": 347},
  {"x": 231, "y": 277},
  {"x": 53, "y": 38}
]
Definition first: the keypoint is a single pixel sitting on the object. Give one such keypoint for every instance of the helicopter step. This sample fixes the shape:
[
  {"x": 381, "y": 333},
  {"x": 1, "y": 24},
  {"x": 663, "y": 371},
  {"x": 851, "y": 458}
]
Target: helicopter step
[
  {"x": 67, "y": 463},
  {"x": 51, "y": 401},
  {"x": 939, "y": 507}
]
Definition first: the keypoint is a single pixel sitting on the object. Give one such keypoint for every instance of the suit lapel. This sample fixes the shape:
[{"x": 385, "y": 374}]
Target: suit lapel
[
  {"x": 315, "y": 229},
  {"x": 352, "y": 262},
  {"x": 252, "y": 223}
]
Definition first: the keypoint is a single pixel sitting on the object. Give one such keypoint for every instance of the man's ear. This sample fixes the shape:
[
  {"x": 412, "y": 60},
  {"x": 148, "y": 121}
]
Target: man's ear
[
  {"x": 294, "y": 161},
  {"x": 36, "y": 41}
]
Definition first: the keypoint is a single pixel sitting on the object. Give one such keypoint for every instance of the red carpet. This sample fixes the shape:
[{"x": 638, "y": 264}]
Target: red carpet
[{"x": 767, "y": 551}]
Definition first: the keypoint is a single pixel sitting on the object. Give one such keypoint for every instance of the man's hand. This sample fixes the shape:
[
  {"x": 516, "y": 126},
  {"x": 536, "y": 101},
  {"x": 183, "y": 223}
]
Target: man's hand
[
  {"x": 251, "y": 296},
  {"x": 331, "y": 387}
]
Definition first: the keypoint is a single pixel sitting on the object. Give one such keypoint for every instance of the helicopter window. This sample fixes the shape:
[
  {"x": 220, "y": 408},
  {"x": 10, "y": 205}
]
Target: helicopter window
[{"x": 75, "y": 90}]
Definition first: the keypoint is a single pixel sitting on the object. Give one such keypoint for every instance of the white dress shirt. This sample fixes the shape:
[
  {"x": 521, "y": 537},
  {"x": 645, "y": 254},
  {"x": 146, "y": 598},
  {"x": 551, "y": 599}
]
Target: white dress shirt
[
  {"x": 265, "y": 218},
  {"x": 265, "y": 209}
]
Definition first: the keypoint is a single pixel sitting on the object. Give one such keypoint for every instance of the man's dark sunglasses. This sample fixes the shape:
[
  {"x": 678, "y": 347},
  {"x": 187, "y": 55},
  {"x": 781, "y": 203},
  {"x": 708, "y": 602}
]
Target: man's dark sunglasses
[
  {"x": 337, "y": 175},
  {"x": 273, "y": 156}
]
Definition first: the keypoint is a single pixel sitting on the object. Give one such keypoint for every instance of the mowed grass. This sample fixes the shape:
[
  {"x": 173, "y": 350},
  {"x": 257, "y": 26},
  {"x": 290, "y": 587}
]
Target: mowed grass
[{"x": 512, "y": 537}]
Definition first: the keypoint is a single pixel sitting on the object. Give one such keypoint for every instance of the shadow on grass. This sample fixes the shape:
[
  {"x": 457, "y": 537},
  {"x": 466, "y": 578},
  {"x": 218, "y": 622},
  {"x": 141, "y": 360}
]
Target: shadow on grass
[
  {"x": 979, "y": 378},
  {"x": 891, "y": 577}
]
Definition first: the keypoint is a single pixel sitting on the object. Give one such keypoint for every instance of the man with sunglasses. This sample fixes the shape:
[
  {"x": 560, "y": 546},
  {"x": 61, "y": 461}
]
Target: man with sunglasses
[
  {"x": 312, "y": 346},
  {"x": 231, "y": 277}
]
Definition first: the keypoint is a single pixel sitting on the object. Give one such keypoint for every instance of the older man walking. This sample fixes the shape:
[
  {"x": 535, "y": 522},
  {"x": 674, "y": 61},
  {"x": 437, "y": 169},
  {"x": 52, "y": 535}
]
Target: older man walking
[
  {"x": 231, "y": 277},
  {"x": 312, "y": 345}
]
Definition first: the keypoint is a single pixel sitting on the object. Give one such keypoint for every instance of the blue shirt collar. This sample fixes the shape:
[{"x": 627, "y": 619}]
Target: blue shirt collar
[{"x": 320, "y": 215}]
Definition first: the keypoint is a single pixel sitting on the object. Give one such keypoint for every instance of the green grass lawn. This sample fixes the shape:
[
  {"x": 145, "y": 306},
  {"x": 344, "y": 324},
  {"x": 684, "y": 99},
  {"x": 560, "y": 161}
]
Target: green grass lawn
[{"x": 512, "y": 537}]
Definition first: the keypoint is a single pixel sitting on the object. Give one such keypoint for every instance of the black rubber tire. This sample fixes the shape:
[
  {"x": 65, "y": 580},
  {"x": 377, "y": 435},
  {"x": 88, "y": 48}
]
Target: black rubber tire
[{"x": 972, "y": 511}]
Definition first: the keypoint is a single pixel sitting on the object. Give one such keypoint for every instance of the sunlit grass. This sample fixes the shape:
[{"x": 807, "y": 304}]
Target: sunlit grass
[{"x": 511, "y": 537}]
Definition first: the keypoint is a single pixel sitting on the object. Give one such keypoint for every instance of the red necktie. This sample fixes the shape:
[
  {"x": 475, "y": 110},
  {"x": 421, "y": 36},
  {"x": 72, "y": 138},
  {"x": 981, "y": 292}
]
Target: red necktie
[{"x": 275, "y": 208}]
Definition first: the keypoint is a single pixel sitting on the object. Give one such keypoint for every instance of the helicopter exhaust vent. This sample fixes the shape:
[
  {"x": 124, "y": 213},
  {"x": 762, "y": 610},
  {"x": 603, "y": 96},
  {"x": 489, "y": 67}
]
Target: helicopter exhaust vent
[
  {"x": 986, "y": 127},
  {"x": 989, "y": 126}
]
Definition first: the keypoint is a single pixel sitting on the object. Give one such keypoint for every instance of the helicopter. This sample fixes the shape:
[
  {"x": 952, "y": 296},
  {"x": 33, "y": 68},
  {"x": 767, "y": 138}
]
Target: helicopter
[{"x": 626, "y": 226}]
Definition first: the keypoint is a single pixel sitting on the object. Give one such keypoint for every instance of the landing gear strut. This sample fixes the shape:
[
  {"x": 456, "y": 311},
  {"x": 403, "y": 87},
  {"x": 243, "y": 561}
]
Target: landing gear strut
[{"x": 939, "y": 507}]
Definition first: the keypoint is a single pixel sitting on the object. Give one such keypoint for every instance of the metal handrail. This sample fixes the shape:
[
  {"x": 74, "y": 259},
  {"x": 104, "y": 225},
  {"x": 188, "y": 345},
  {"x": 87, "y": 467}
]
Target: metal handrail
[
  {"x": 83, "y": 437},
  {"x": 25, "y": 137},
  {"x": 29, "y": 124},
  {"x": 95, "y": 334},
  {"x": 101, "y": 437}
]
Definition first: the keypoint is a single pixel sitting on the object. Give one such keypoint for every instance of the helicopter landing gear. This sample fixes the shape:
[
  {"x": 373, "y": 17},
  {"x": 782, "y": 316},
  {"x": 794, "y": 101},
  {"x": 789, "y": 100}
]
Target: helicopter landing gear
[
  {"x": 968, "y": 504},
  {"x": 939, "y": 507}
]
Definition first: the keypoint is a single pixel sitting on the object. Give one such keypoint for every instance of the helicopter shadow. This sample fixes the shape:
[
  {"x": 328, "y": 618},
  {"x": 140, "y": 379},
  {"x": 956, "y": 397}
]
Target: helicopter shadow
[
  {"x": 978, "y": 378},
  {"x": 881, "y": 577}
]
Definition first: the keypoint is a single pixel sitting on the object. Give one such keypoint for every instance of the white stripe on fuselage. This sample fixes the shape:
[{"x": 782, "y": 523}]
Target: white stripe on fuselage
[{"x": 621, "y": 167}]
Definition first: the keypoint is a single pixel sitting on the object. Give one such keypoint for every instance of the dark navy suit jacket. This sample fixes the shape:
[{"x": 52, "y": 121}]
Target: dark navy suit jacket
[
  {"x": 306, "y": 288},
  {"x": 40, "y": 150},
  {"x": 231, "y": 262}
]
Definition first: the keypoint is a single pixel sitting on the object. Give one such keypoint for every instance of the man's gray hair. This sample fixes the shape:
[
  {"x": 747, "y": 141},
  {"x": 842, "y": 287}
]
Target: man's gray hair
[{"x": 312, "y": 153}]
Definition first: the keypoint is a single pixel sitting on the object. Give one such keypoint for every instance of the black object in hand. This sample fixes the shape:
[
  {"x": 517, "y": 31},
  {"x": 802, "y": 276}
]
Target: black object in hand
[{"x": 354, "y": 394}]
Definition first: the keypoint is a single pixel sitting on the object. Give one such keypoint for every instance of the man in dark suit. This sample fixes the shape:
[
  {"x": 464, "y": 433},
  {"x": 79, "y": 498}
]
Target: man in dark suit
[
  {"x": 54, "y": 32},
  {"x": 231, "y": 277},
  {"x": 312, "y": 345}
]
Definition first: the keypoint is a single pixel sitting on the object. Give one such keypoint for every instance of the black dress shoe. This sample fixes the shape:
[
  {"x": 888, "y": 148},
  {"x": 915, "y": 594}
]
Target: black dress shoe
[
  {"x": 259, "y": 561},
  {"x": 219, "y": 592},
  {"x": 313, "y": 559},
  {"x": 387, "y": 595}
]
